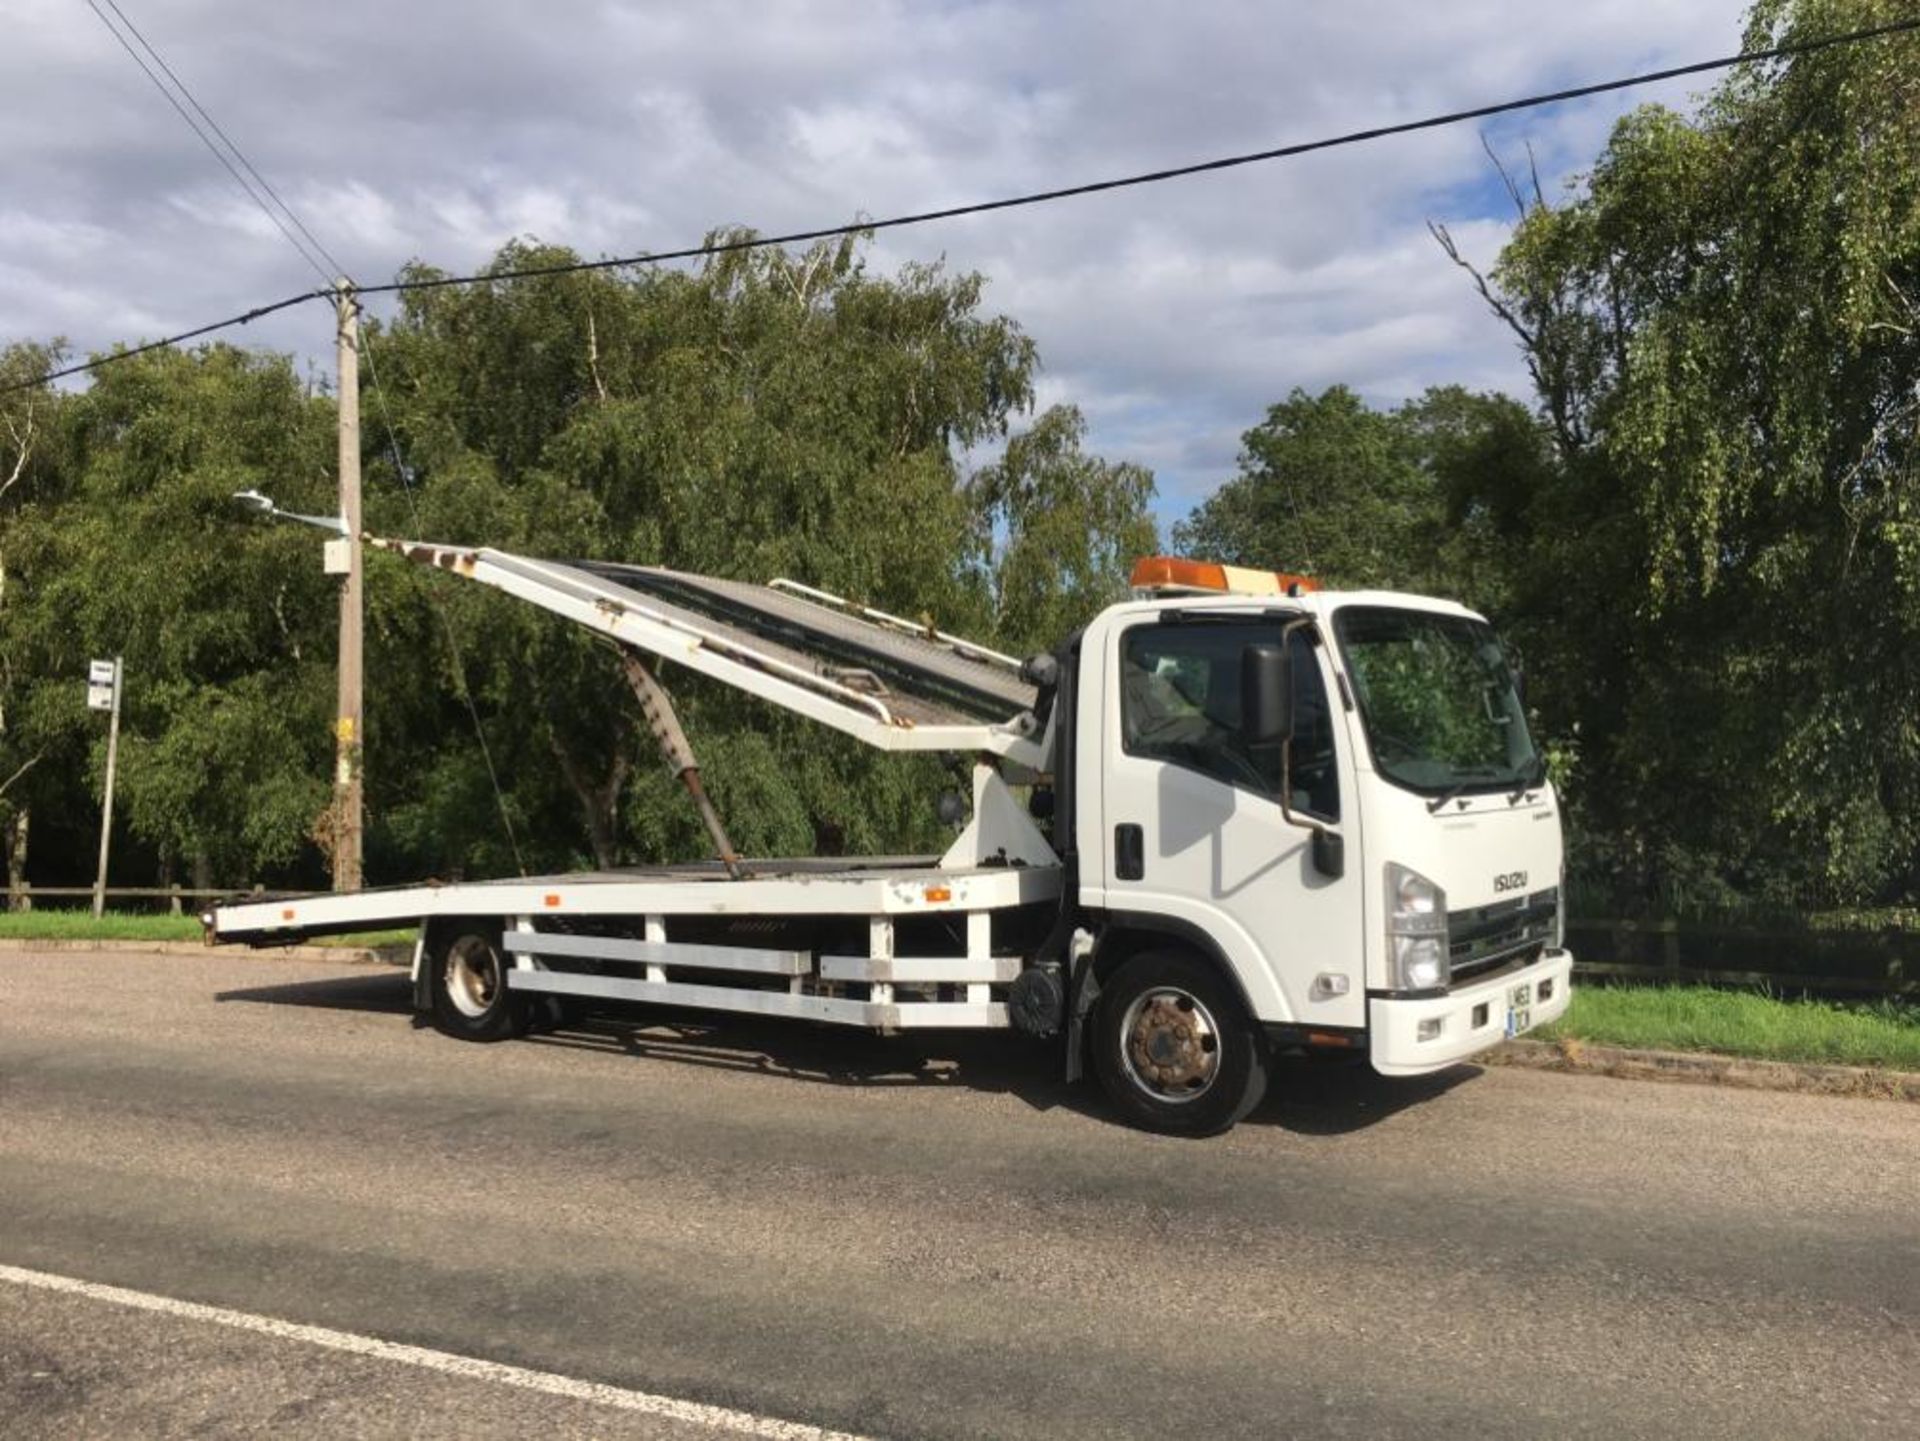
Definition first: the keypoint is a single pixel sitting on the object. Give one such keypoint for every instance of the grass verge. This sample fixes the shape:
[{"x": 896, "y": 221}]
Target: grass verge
[
  {"x": 1742, "y": 1023},
  {"x": 53, "y": 925}
]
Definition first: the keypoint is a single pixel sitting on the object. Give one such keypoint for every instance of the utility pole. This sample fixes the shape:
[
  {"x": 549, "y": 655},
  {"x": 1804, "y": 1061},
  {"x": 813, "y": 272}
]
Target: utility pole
[
  {"x": 109, "y": 672},
  {"x": 347, "y": 728}
]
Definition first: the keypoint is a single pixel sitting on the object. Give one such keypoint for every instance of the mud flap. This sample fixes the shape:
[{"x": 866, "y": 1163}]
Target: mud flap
[
  {"x": 422, "y": 975},
  {"x": 1085, "y": 992}
]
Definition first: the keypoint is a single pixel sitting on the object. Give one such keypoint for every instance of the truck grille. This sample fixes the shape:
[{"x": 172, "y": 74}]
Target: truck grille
[{"x": 1485, "y": 939}]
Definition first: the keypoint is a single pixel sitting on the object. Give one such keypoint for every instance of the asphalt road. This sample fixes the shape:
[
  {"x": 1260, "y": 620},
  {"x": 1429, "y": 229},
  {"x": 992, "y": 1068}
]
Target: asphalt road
[{"x": 910, "y": 1239}]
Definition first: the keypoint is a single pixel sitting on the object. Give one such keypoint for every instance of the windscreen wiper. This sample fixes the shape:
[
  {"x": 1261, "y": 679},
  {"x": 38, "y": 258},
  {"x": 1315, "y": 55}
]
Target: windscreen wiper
[
  {"x": 1536, "y": 773},
  {"x": 1486, "y": 773}
]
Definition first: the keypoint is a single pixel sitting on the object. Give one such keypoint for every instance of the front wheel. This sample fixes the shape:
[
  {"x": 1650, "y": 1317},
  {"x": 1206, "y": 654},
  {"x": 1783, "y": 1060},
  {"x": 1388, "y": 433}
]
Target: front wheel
[
  {"x": 471, "y": 998},
  {"x": 1174, "y": 1048}
]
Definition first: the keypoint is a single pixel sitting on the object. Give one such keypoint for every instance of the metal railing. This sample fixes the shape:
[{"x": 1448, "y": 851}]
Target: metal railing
[{"x": 1837, "y": 962}]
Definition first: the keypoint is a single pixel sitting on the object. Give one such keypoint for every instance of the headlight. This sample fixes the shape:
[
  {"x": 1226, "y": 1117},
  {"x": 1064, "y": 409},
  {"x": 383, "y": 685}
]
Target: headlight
[{"x": 1416, "y": 931}]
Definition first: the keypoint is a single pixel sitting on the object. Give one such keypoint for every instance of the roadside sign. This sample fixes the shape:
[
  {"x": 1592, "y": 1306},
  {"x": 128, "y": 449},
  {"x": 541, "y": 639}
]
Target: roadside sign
[
  {"x": 100, "y": 685},
  {"x": 103, "y": 693}
]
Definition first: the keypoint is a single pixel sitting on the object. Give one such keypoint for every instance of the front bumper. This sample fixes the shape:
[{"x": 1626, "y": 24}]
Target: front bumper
[{"x": 1465, "y": 1029}]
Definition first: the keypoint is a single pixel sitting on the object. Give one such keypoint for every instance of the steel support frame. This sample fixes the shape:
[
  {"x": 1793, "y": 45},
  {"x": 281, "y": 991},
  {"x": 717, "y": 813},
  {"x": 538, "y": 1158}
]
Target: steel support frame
[{"x": 880, "y": 971}]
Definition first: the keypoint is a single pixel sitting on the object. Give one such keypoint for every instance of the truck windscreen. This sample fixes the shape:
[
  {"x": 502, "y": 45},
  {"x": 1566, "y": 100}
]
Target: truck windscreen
[{"x": 1438, "y": 699}]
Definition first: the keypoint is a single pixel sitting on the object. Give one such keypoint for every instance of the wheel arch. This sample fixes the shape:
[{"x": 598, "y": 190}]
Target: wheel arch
[
  {"x": 1185, "y": 963},
  {"x": 1131, "y": 933}
]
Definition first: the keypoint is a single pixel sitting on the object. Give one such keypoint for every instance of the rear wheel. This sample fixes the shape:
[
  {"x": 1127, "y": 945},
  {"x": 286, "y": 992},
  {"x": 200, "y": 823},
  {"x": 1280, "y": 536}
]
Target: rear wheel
[
  {"x": 471, "y": 998},
  {"x": 1174, "y": 1048}
]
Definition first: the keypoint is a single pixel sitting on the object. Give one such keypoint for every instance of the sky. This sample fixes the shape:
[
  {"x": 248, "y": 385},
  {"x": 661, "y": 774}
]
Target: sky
[{"x": 1172, "y": 315}]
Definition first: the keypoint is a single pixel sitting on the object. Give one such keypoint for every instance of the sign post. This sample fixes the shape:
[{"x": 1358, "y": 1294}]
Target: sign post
[{"x": 103, "y": 693}]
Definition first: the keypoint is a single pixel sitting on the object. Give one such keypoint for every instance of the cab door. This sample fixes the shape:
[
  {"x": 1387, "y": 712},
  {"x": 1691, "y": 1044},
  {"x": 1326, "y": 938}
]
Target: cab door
[{"x": 1193, "y": 834}]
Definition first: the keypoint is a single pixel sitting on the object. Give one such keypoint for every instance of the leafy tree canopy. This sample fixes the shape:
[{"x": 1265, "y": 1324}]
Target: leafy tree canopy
[
  {"x": 763, "y": 414},
  {"x": 1723, "y": 577},
  {"x": 1415, "y": 498}
]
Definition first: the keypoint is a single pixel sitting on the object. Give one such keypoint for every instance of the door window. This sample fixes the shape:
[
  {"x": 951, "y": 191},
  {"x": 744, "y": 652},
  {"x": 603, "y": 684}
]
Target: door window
[{"x": 1180, "y": 703}]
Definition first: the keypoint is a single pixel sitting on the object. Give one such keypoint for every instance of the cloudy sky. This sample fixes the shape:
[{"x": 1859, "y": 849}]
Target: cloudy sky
[{"x": 1172, "y": 314}]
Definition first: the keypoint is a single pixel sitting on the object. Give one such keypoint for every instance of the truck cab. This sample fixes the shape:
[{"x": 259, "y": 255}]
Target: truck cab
[{"x": 1378, "y": 872}]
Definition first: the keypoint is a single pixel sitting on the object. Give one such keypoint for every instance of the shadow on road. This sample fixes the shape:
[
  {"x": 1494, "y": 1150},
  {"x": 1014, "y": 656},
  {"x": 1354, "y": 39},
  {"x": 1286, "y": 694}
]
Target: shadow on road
[
  {"x": 1318, "y": 1097},
  {"x": 380, "y": 989},
  {"x": 1308, "y": 1096}
]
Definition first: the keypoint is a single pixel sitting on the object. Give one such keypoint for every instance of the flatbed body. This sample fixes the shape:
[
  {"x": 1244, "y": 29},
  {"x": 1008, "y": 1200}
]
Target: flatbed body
[
  {"x": 795, "y": 887},
  {"x": 886, "y": 943}
]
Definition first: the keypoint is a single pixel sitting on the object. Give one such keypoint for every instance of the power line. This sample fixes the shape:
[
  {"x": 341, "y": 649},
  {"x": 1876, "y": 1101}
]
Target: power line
[
  {"x": 128, "y": 354},
  {"x": 1283, "y": 152},
  {"x": 238, "y": 154},
  {"x": 307, "y": 249},
  {"x": 307, "y": 252},
  {"x": 1177, "y": 172}
]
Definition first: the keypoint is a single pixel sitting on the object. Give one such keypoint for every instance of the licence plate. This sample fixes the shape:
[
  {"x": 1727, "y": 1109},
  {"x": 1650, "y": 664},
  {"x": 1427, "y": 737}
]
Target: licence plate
[{"x": 1519, "y": 1009}]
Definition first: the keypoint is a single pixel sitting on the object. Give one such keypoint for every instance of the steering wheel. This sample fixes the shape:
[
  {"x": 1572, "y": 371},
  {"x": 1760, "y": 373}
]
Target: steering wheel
[{"x": 1245, "y": 767}]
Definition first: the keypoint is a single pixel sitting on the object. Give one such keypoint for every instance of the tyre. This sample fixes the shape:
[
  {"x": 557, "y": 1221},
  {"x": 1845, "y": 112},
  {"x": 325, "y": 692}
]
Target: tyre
[
  {"x": 471, "y": 998},
  {"x": 1174, "y": 1048}
]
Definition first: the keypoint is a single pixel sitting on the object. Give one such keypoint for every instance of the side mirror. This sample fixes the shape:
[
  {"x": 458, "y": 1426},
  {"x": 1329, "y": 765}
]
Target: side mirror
[
  {"x": 1329, "y": 853},
  {"x": 1266, "y": 694}
]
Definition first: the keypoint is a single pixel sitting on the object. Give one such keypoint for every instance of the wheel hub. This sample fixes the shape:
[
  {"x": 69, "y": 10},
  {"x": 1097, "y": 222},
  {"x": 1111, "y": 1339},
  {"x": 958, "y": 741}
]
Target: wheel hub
[
  {"x": 1171, "y": 1045},
  {"x": 473, "y": 977}
]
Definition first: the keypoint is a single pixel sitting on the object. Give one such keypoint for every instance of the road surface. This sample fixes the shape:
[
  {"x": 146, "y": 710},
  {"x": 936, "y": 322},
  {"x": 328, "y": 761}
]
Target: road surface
[{"x": 925, "y": 1238}]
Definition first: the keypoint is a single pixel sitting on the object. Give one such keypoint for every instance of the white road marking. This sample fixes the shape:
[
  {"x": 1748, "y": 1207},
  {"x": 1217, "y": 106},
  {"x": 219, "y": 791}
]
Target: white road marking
[{"x": 446, "y": 1362}]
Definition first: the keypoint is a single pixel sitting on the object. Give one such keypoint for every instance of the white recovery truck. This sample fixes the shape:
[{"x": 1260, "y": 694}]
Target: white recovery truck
[{"x": 1233, "y": 816}]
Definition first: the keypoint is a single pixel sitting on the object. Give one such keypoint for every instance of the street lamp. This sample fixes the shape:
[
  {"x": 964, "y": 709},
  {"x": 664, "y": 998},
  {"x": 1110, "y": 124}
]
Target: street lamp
[{"x": 255, "y": 501}]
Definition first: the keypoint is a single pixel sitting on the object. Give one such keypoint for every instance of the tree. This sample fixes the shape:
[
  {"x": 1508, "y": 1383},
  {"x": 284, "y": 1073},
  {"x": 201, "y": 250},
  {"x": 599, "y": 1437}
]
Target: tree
[
  {"x": 767, "y": 414},
  {"x": 1326, "y": 486},
  {"x": 1423, "y": 497},
  {"x": 1486, "y": 459},
  {"x": 1723, "y": 328},
  {"x": 226, "y": 626},
  {"x": 1058, "y": 530},
  {"x": 39, "y": 717}
]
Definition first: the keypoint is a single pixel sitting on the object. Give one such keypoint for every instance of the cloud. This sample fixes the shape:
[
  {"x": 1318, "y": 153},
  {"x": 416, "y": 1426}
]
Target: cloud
[{"x": 1172, "y": 315}]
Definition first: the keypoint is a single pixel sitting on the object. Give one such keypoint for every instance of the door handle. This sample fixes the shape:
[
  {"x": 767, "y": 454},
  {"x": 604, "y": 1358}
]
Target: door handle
[{"x": 1129, "y": 853}]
